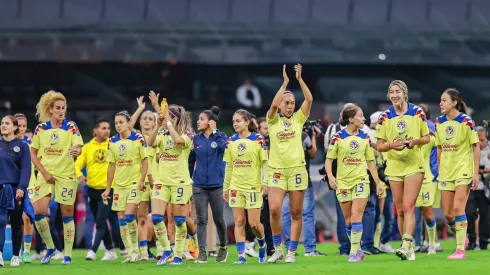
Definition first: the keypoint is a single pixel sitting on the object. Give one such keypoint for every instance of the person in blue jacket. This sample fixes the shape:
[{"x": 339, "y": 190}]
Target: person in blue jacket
[
  {"x": 15, "y": 167},
  {"x": 208, "y": 176}
]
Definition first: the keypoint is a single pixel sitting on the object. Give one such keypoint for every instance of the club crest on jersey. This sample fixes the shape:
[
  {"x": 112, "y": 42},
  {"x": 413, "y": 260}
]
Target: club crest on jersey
[
  {"x": 214, "y": 144},
  {"x": 16, "y": 149},
  {"x": 100, "y": 156},
  {"x": 401, "y": 125},
  {"x": 449, "y": 131},
  {"x": 344, "y": 193},
  {"x": 122, "y": 148},
  {"x": 170, "y": 143},
  {"x": 242, "y": 147},
  {"x": 354, "y": 145},
  {"x": 287, "y": 125}
]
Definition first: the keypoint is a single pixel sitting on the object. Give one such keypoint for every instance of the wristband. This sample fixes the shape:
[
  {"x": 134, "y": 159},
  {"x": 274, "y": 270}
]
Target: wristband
[{"x": 169, "y": 123}]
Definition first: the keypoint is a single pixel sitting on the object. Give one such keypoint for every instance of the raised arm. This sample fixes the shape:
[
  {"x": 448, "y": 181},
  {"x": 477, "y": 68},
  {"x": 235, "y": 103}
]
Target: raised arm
[
  {"x": 306, "y": 106},
  {"x": 278, "y": 97},
  {"x": 137, "y": 113}
]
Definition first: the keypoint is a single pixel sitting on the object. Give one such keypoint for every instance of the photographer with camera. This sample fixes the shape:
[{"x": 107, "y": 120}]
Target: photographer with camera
[
  {"x": 311, "y": 130},
  {"x": 369, "y": 215},
  {"x": 478, "y": 201}
]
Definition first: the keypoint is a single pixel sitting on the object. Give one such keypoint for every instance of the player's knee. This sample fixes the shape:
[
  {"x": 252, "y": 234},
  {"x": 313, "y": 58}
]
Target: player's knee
[
  {"x": 239, "y": 222},
  {"x": 448, "y": 213},
  {"x": 156, "y": 218},
  {"x": 130, "y": 218},
  {"x": 296, "y": 215},
  {"x": 275, "y": 211},
  {"x": 179, "y": 220},
  {"x": 142, "y": 220},
  {"x": 408, "y": 209},
  {"x": 255, "y": 226}
]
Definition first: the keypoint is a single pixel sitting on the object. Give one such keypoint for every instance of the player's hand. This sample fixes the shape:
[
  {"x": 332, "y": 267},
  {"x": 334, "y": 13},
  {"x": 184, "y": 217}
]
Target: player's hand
[
  {"x": 226, "y": 195},
  {"x": 19, "y": 194},
  {"x": 49, "y": 178},
  {"x": 398, "y": 146},
  {"x": 212, "y": 125},
  {"x": 379, "y": 190},
  {"x": 154, "y": 99},
  {"x": 105, "y": 195},
  {"x": 142, "y": 186},
  {"x": 411, "y": 144},
  {"x": 265, "y": 191},
  {"x": 475, "y": 182},
  {"x": 141, "y": 103},
  {"x": 285, "y": 75},
  {"x": 332, "y": 181},
  {"x": 76, "y": 151},
  {"x": 82, "y": 180},
  {"x": 298, "y": 69}
]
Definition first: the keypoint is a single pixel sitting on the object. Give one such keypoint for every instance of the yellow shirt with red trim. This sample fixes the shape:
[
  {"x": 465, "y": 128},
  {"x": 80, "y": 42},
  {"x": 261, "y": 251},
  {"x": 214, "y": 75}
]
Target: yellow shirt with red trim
[
  {"x": 173, "y": 160},
  {"x": 286, "y": 147},
  {"x": 456, "y": 138},
  {"x": 352, "y": 153},
  {"x": 127, "y": 155},
  {"x": 392, "y": 128},
  {"x": 244, "y": 158},
  {"x": 54, "y": 146}
]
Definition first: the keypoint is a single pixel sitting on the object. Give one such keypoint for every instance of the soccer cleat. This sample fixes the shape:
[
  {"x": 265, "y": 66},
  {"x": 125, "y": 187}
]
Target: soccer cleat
[
  {"x": 1, "y": 259},
  {"x": 145, "y": 258},
  {"x": 459, "y": 254},
  {"x": 109, "y": 256},
  {"x": 222, "y": 255},
  {"x": 411, "y": 255},
  {"x": 438, "y": 247},
  {"x": 47, "y": 257},
  {"x": 187, "y": 256},
  {"x": 360, "y": 255},
  {"x": 315, "y": 254},
  {"x": 176, "y": 261},
  {"x": 250, "y": 249},
  {"x": 202, "y": 259},
  {"x": 66, "y": 260},
  {"x": 15, "y": 261},
  {"x": 36, "y": 256},
  {"x": 242, "y": 259},
  {"x": 212, "y": 254},
  {"x": 431, "y": 250},
  {"x": 91, "y": 256},
  {"x": 124, "y": 253},
  {"x": 165, "y": 257},
  {"x": 151, "y": 256},
  {"x": 134, "y": 257},
  {"x": 353, "y": 258},
  {"x": 290, "y": 257},
  {"x": 262, "y": 254},
  {"x": 26, "y": 257},
  {"x": 386, "y": 247},
  {"x": 58, "y": 255},
  {"x": 277, "y": 256},
  {"x": 402, "y": 253}
]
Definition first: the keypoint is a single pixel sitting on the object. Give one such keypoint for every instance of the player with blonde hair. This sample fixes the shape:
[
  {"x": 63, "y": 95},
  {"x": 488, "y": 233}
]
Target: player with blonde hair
[{"x": 55, "y": 145}]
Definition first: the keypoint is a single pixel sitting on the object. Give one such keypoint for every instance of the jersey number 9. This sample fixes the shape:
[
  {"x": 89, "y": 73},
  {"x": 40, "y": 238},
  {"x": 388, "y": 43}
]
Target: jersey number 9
[{"x": 180, "y": 192}]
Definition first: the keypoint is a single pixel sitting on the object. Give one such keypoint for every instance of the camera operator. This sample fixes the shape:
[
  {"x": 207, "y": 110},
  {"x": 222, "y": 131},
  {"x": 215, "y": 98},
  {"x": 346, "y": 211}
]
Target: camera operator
[
  {"x": 310, "y": 132},
  {"x": 369, "y": 216},
  {"x": 478, "y": 203}
]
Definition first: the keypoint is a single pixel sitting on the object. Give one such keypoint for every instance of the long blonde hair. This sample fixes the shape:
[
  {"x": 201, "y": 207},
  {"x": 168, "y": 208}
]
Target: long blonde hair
[
  {"x": 46, "y": 102},
  {"x": 402, "y": 86},
  {"x": 184, "y": 123}
]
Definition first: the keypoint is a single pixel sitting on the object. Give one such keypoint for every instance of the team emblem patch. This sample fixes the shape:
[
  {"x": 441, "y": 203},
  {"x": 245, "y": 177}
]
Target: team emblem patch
[
  {"x": 354, "y": 145},
  {"x": 122, "y": 148},
  {"x": 287, "y": 125},
  {"x": 344, "y": 193},
  {"x": 233, "y": 193},
  {"x": 214, "y": 144},
  {"x": 116, "y": 197},
  {"x": 16, "y": 149},
  {"x": 55, "y": 136},
  {"x": 449, "y": 131},
  {"x": 242, "y": 147},
  {"x": 170, "y": 143},
  {"x": 401, "y": 125}
]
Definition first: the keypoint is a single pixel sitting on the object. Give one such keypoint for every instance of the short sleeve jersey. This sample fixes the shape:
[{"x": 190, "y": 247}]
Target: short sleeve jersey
[
  {"x": 351, "y": 153},
  {"x": 455, "y": 138},
  {"x": 54, "y": 146},
  {"x": 286, "y": 148},
  {"x": 392, "y": 128},
  {"x": 246, "y": 156},
  {"x": 127, "y": 154},
  {"x": 173, "y": 160}
]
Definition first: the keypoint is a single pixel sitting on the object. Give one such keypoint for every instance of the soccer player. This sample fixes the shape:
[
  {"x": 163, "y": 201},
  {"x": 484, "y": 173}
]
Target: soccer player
[
  {"x": 15, "y": 164},
  {"x": 458, "y": 153},
  {"x": 55, "y": 145},
  {"x": 401, "y": 131},
  {"x": 174, "y": 184},
  {"x": 28, "y": 215},
  {"x": 128, "y": 165},
  {"x": 245, "y": 155},
  {"x": 353, "y": 148},
  {"x": 147, "y": 124},
  {"x": 427, "y": 195},
  {"x": 287, "y": 163}
]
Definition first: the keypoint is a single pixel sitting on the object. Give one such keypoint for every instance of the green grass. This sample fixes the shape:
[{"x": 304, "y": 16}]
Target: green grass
[{"x": 477, "y": 262}]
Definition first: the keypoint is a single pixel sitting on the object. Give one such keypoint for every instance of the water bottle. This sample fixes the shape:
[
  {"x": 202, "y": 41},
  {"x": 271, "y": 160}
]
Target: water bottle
[{"x": 7, "y": 249}]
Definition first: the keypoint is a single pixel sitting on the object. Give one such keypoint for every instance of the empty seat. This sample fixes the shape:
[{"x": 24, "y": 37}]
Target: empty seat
[
  {"x": 82, "y": 11},
  {"x": 291, "y": 11},
  {"x": 167, "y": 10},
  {"x": 448, "y": 12},
  {"x": 250, "y": 11},
  {"x": 39, "y": 13},
  {"x": 372, "y": 12},
  {"x": 124, "y": 11},
  {"x": 479, "y": 12},
  {"x": 208, "y": 11},
  {"x": 334, "y": 12},
  {"x": 413, "y": 12}
]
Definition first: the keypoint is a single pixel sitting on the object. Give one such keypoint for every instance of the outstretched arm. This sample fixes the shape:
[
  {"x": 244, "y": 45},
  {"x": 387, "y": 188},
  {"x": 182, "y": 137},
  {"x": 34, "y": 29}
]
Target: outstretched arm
[{"x": 278, "y": 97}]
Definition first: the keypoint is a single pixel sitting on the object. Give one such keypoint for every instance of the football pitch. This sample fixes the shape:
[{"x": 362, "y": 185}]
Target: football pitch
[{"x": 477, "y": 262}]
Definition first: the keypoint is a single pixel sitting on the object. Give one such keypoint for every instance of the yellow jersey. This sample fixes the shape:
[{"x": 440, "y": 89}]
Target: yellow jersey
[
  {"x": 173, "y": 161},
  {"x": 94, "y": 156}
]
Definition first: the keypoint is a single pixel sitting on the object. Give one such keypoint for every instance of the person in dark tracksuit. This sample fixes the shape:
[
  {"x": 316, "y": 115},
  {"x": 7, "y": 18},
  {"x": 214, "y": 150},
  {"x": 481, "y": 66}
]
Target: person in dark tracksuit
[
  {"x": 208, "y": 176},
  {"x": 15, "y": 173}
]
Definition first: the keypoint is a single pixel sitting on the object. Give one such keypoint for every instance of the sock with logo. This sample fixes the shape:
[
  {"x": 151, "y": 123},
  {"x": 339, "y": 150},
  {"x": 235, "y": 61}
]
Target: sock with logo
[
  {"x": 407, "y": 241},
  {"x": 27, "y": 243},
  {"x": 277, "y": 241},
  {"x": 293, "y": 246},
  {"x": 133, "y": 231},
  {"x": 431, "y": 232},
  {"x": 123, "y": 227},
  {"x": 180, "y": 235},
  {"x": 160, "y": 232},
  {"x": 461, "y": 228},
  {"x": 42, "y": 226},
  {"x": 355, "y": 239},
  {"x": 68, "y": 235},
  {"x": 240, "y": 247}
]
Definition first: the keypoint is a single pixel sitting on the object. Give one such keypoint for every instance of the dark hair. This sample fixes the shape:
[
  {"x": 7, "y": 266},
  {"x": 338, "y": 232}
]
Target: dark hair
[
  {"x": 124, "y": 114},
  {"x": 347, "y": 113},
  {"x": 247, "y": 116},
  {"x": 213, "y": 113},
  {"x": 455, "y": 95},
  {"x": 15, "y": 123},
  {"x": 260, "y": 120},
  {"x": 426, "y": 110},
  {"x": 100, "y": 121}
]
